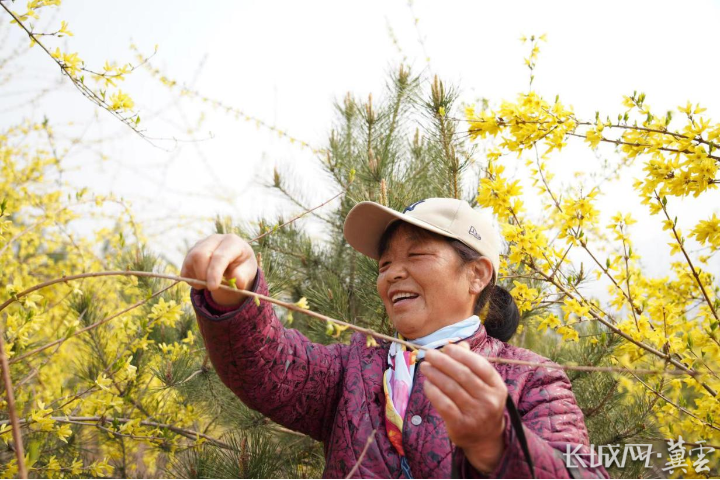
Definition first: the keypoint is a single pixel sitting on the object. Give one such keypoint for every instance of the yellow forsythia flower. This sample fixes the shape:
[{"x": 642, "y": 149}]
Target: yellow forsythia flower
[
  {"x": 100, "y": 468},
  {"x": 167, "y": 313},
  {"x": 568, "y": 333},
  {"x": 190, "y": 339},
  {"x": 708, "y": 231},
  {"x": 63, "y": 432},
  {"x": 52, "y": 464},
  {"x": 339, "y": 329},
  {"x": 103, "y": 382},
  {"x": 76, "y": 467},
  {"x": 524, "y": 296},
  {"x": 11, "y": 469},
  {"x": 121, "y": 101},
  {"x": 63, "y": 29}
]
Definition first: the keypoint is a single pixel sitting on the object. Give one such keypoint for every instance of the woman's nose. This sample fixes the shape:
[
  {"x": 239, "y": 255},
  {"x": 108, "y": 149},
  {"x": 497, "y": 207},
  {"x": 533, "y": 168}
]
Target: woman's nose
[{"x": 396, "y": 271}]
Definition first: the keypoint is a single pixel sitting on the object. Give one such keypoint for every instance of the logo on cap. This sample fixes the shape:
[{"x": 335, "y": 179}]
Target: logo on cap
[
  {"x": 474, "y": 233},
  {"x": 412, "y": 207}
]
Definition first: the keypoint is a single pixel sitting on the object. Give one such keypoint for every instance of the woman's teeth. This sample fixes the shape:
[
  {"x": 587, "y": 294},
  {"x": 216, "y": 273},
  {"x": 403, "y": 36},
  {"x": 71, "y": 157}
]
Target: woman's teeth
[{"x": 402, "y": 296}]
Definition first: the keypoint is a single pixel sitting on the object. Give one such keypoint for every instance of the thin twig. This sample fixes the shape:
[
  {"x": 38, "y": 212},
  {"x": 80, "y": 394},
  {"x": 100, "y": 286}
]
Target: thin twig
[
  {"x": 84, "y": 90},
  {"x": 582, "y": 243},
  {"x": 698, "y": 139},
  {"x": 667, "y": 357},
  {"x": 687, "y": 257},
  {"x": 171, "y": 83},
  {"x": 366, "y": 331},
  {"x": 368, "y": 442},
  {"x": 187, "y": 433},
  {"x": 10, "y": 395},
  {"x": 91, "y": 327},
  {"x": 692, "y": 372},
  {"x": 544, "y": 180},
  {"x": 683, "y": 410},
  {"x": 642, "y": 145},
  {"x": 297, "y": 217},
  {"x": 666, "y": 440}
]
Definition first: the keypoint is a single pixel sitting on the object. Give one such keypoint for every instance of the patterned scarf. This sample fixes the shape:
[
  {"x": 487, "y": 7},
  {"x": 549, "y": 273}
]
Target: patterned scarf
[{"x": 398, "y": 378}]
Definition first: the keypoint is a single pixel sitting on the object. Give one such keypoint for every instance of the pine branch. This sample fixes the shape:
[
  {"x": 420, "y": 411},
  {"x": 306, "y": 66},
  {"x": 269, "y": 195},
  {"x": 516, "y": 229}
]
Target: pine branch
[{"x": 601, "y": 404}]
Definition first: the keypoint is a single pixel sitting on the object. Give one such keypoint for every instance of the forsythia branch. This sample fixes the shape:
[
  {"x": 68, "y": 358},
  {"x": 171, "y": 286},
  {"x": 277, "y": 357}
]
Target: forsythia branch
[
  {"x": 683, "y": 410},
  {"x": 681, "y": 244},
  {"x": 87, "y": 92},
  {"x": 90, "y": 327},
  {"x": 191, "y": 434},
  {"x": 683, "y": 370}
]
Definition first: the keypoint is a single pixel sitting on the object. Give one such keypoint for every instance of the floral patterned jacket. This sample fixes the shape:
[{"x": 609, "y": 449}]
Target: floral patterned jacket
[{"x": 334, "y": 394}]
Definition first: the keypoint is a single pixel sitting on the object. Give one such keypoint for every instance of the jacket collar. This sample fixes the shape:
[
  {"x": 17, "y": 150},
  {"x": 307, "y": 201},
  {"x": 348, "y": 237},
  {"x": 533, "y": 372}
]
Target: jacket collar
[{"x": 479, "y": 340}]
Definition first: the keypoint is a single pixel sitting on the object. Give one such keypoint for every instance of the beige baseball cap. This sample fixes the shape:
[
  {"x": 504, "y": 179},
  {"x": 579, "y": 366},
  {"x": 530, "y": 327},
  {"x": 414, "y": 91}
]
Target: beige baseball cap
[{"x": 367, "y": 221}]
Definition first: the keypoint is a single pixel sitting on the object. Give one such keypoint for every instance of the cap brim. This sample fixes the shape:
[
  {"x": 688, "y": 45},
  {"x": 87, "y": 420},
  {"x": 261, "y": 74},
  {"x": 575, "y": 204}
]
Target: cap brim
[{"x": 367, "y": 221}]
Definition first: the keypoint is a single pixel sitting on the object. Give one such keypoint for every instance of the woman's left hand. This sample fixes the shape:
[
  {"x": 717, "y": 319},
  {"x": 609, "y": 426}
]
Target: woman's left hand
[{"x": 470, "y": 396}]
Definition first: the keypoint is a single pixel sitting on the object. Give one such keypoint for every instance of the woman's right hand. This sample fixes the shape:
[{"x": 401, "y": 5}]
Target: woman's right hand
[{"x": 219, "y": 256}]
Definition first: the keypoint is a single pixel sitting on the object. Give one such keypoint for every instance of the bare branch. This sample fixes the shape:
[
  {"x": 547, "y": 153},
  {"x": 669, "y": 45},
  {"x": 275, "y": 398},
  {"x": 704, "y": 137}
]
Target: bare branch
[
  {"x": 10, "y": 395},
  {"x": 368, "y": 442}
]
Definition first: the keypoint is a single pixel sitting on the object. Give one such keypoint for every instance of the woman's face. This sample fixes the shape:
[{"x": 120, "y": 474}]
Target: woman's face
[{"x": 424, "y": 284}]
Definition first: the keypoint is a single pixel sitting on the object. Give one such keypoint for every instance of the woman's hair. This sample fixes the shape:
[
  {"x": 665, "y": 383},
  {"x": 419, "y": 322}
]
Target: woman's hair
[{"x": 502, "y": 316}]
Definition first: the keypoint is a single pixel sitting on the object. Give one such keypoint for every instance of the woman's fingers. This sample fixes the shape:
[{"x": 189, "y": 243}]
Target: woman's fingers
[
  {"x": 198, "y": 258},
  {"x": 447, "y": 409},
  {"x": 463, "y": 388},
  {"x": 228, "y": 251},
  {"x": 458, "y": 371},
  {"x": 476, "y": 363},
  {"x": 189, "y": 272},
  {"x": 217, "y": 256},
  {"x": 449, "y": 386}
]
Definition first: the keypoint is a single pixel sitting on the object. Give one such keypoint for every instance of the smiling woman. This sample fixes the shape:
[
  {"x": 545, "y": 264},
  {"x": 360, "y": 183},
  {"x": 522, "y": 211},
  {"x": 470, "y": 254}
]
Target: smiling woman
[
  {"x": 457, "y": 414},
  {"x": 493, "y": 303}
]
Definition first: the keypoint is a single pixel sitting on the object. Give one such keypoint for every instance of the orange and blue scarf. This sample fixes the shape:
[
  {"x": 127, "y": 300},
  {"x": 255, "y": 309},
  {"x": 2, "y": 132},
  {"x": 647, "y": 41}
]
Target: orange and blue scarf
[{"x": 398, "y": 378}]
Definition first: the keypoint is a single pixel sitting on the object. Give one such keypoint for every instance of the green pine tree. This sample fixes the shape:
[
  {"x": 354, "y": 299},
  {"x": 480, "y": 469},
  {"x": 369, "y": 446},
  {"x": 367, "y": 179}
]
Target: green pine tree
[{"x": 403, "y": 149}]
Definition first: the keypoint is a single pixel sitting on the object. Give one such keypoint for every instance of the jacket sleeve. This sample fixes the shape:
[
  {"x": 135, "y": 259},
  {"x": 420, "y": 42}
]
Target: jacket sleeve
[
  {"x": 273, "y": 370},
  {"x": 553, "y": 425}
]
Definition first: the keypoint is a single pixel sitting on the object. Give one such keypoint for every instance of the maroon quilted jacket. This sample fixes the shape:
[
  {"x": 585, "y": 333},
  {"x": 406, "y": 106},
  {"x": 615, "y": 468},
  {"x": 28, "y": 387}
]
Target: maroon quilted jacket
[{"x": 334, "y": 394}]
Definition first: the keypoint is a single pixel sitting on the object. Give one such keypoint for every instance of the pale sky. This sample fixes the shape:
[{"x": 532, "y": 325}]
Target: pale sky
[{"x": 286, "y": 62}]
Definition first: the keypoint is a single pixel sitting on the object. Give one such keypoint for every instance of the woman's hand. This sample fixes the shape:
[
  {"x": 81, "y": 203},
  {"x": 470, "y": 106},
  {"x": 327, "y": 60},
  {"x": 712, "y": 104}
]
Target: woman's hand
[
  {"x": 221, "y": 255},
  {"x": 470, "y": 396}
]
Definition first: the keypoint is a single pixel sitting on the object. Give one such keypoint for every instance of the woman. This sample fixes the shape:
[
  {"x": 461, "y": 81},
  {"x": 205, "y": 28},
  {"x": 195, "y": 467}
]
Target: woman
[{"x": 457, "y": 414}]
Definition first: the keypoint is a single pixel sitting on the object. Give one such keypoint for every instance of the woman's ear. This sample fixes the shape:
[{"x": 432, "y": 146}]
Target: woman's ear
[{"x": 480, "y": 273}]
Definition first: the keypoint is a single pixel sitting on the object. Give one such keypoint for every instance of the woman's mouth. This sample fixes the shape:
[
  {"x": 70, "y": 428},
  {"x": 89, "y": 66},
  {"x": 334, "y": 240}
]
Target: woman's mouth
[{"x": 403, "y": 298}]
